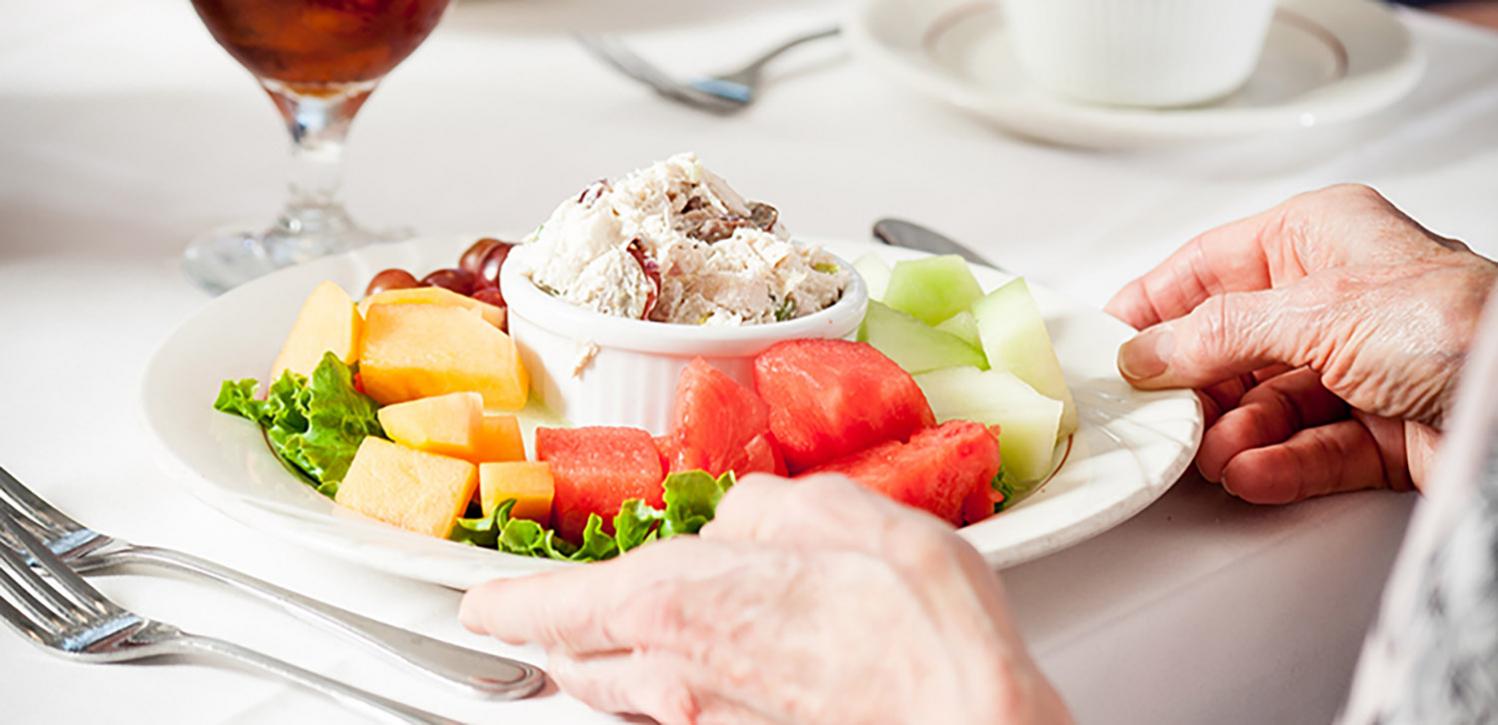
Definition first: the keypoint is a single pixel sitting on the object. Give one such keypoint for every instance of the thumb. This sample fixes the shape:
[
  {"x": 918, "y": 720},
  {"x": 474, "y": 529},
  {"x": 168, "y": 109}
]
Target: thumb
[{"x": 1225, "y": 336}]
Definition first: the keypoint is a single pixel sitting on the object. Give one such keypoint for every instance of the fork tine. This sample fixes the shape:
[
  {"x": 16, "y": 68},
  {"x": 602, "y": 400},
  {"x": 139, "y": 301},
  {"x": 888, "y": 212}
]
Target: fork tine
[
  {"x": 34, "y": 507},
  {"x": 26, "y": 587},
  {"x": 67, "y": 582},
  {"x": 26, "y": 625}
]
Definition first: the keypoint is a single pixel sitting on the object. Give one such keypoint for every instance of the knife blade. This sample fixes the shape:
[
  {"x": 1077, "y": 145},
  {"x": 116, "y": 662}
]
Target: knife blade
[{"x": 902, "y": 233}]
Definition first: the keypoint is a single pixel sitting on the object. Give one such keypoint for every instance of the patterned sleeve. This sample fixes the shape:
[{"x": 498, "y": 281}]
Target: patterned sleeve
[{"x": 1432, "y": 655}]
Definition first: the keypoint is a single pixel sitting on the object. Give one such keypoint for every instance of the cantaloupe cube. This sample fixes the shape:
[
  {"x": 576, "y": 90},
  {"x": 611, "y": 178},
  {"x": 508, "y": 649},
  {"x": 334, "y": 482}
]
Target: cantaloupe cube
[
  {"x": 328, "y": 322},
  {"x": 528, "y": 482},
  {"x": 415, "y": 490},
  {"x": 498, "y": 439},
  {"x": 445, "y": 424},
  {"x": 433, "y": 296},
  {"x": 417, "y": 351}
]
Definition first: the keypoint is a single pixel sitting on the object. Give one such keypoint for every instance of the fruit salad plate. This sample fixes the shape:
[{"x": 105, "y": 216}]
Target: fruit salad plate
[{"x": 1129, "y": 448}]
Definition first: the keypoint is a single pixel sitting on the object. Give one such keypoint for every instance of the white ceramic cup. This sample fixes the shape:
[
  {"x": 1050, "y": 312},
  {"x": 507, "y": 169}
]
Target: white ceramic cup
[
  {"x": 594, "y": 369},
  {"x": 1152, "y": 53}
]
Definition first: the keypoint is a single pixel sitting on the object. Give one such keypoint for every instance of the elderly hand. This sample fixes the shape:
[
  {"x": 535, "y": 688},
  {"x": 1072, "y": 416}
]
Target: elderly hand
[
  {"x": 814, "y": 601},
  {"x": 1326, "y": 336}
]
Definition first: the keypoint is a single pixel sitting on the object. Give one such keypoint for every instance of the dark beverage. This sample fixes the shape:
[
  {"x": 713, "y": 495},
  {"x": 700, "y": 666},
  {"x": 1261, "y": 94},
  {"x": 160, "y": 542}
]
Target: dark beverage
[
  {"x": 307, "y": 44},
  {"x": 318, "y": 60}
]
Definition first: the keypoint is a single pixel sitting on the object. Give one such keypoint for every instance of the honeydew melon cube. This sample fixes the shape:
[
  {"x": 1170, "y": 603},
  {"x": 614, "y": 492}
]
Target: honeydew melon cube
[
  {"x": 932, "y": 289},
  {"x": 963, "y": 325},
  {"x": 912, "y": 344},
  {"x": 1029, "y": 423},
  {"x": 875, "y": 275},
  {"x": 1015, "y": 340}
]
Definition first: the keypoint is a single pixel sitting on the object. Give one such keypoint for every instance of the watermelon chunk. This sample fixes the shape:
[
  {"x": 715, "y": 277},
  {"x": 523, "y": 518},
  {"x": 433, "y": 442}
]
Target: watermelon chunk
[
  {"x": 761, "y": 455},
  {"x": 597, "y": 469},
  {"x": 714, "y": 421},
  {"x": 831, "y": 398},
  {"x": 947, "y": 470}
]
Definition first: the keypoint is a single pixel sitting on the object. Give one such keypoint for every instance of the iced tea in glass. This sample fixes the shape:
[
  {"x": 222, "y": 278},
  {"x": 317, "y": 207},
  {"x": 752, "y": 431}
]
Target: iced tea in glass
[{"x": 319, "y": 60}]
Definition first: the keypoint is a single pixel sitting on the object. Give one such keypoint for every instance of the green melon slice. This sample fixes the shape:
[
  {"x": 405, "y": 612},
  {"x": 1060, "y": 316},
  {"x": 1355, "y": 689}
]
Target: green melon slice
[
  {"x": 932, "y": 289},
  {"x": 1029, "y": 423},
  {"x": 875, "y": 275},
  {"x": 963, "y": 325},
  {"x": 1015, "y": 340},
  {"x": 914, "y": 345}
]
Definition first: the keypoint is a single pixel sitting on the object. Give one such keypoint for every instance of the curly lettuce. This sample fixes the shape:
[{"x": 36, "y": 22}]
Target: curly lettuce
[
  {"x": 314, "y": 425},
  {"x": 691, "y": 499}
]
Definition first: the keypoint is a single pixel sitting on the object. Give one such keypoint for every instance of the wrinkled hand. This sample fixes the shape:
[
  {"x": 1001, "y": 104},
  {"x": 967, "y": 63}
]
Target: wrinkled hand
[
  {"x": 1326, "y": 336},
  {"x": 813, "y": 601}
]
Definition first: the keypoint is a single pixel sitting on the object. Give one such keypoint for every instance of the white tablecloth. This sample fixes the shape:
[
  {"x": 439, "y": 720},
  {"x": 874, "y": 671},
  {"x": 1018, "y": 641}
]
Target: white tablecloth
[{"x": 126, "y": 130}]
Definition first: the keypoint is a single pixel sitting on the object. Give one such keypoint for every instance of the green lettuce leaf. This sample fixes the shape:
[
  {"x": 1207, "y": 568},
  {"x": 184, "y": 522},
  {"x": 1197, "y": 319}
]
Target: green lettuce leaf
[
  {"x": 691, "y": 499},
  {"x": 314, "y": 425},
  {"x": 636, "y": 524},
  {"x": 1011, "y": 489}
]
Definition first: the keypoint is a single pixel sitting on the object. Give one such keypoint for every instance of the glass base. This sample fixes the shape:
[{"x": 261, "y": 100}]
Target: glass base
[{"x": 230, "y": 256}]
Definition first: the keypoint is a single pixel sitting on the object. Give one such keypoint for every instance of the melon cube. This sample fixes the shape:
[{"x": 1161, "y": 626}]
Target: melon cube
[
  {"x": 932, "y": 289},
  {"x": 434, "y": 296},
  {"x": 529, "y": 483},
  {"x": 417, "y": 351},
  {"x": 415, "y": 490},
  {"x": 1015, "y": 339},
  {"x": 965, "y": 326},
  {"x": 327, "y": 322},
  {"x": 498, "y": 439},
  {"x": 445, "y": 424},
  {"x": 913, "y": 344},
  {"x": 1029, "y": 423}
]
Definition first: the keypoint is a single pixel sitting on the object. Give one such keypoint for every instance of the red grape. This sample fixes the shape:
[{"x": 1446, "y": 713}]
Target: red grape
[
  {"x": 494, "y": 259},
  {"x": 452, "y": 279},
  {"x": 473, "y": 259},
  {"x": 391, "y": 279},
  {"x": 489, "y": 295}
]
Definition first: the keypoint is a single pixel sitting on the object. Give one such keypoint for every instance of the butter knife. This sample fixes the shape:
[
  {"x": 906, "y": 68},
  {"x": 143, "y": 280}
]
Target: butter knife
[{"x": 901, "y": 233}]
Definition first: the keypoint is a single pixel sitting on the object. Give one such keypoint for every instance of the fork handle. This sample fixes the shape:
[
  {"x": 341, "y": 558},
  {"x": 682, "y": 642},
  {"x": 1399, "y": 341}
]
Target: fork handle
[
  {"x": 189, "y": 644},
  {"x": 490, "y": 674}
]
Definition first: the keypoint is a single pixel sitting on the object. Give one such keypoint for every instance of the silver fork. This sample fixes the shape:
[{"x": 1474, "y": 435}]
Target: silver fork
[
  {"x": 87, "y": 551},
  {"x": 723, "y": 93},
  {"x": 60, "y": 612}
]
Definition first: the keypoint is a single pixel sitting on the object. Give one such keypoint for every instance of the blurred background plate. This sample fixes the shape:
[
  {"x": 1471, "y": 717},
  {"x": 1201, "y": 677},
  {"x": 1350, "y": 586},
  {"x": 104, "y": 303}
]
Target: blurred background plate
[
  {"x": 1131, "y": 446},
  {"x": 1324, "y": 61}
]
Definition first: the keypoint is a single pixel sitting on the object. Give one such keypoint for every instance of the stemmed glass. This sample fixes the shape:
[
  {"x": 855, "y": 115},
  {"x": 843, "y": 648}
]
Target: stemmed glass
[{"x": 319, "y": 60}]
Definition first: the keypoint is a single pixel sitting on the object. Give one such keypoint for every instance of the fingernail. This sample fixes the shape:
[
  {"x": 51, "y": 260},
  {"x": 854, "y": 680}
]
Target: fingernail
[{"x": 1148, "y": 354}]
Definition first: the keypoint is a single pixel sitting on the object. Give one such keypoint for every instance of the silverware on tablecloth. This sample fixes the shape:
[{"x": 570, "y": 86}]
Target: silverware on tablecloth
[
  {"x": 53, "y": 606},
  {"x": 722, "y": 93},
  {"x": 901, "y": 233},
  {"x": 87, "y": 550}
]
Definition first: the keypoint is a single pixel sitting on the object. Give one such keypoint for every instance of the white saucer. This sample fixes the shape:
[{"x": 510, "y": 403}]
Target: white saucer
[{"x": 1324, "y": 61}]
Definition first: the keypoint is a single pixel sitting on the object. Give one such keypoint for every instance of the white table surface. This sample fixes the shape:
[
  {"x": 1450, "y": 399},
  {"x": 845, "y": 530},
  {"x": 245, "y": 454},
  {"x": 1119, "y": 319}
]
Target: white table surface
[{"x": 126, "y": 131}]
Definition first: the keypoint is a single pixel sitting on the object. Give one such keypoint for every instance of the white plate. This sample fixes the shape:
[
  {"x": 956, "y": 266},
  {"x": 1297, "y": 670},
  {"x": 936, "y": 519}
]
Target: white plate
[
  {"x": 1130, "y": 448},
  {"x": 1324, "y": 61}
]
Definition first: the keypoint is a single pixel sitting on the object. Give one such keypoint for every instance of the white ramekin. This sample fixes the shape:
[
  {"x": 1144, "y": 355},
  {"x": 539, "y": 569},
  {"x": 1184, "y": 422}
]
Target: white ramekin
[
  {"x": 1155, "y": 53},
  {"x": 594, "y": 369}
]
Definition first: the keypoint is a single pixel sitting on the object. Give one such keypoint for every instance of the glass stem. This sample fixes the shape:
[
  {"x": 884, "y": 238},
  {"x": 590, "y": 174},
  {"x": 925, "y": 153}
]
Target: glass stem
[{"x": 318, "y": 120}]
